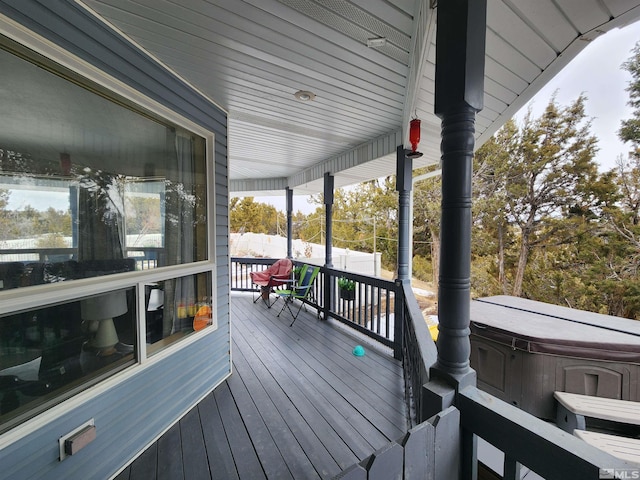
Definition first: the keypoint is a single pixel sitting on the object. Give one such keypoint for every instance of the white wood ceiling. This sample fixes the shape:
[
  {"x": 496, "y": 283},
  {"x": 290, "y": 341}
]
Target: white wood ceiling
[{"x": 251, "y": 56}]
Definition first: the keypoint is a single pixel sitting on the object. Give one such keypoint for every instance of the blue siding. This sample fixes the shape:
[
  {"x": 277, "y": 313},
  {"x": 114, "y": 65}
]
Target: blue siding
[
  {"x": 127, "y": 417},
  {"x": 137, "y": 410}
]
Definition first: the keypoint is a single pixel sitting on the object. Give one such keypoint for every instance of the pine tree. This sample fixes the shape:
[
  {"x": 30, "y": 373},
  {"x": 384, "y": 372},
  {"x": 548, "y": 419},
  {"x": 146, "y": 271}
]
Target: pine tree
[
  {"x": 534, "y": 177},
  {"x": 630, "y": 129}
]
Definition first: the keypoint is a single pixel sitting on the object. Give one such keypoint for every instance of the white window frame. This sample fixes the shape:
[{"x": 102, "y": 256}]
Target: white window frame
[{"x": 42, "y": 295}]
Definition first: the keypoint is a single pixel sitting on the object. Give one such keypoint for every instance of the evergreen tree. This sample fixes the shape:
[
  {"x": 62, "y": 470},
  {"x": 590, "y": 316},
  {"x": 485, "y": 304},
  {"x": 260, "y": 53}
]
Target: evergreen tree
[
  {"x": 630, "y": 129},
  {"x": 427, "y": 196},
  {"x": 5, "y": 218},
  {"x": 541, "y": 171},
  {"x": 247, "y": 215}
]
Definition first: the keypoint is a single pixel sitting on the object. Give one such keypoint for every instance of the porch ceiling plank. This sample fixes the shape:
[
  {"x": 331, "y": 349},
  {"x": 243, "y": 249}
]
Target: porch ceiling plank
[
  {"x": 251, "y": 56},
  {"x": 259, "y": 134},
  {"x": 396, "y": 13},
  {"x": 246, "y": 77},
  {"x": 548, "y": 21},
  {"x": 358, "y": 24},
  {"x": 510, "y": 58},
  {"x": 498, "y": 90},
  {"x": 253, "y": 186},
  {"x": 505, "y": 77},
  {"x": 494, "y": 104},
  {"x": 331, "y": 126},
  {"x": 252, "y": 88},
  {"x": 515, "y": 30},
  {"x": 288, "y": 48},
  {"x": 619, "y": 7},
  {"x": 336, "y": 38},
  {"x": 584, "y": 15}
]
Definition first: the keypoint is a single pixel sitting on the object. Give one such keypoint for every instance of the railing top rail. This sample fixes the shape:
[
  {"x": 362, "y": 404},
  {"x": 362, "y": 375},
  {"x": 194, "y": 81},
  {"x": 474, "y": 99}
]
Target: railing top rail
[
  {"x": 253, "y": 260},
  {"x": 11, "y": 251},
  {"x": 424, "y": 342},
  {"x": 544, "y": 448},
  {"x": 369, "y": 280}
]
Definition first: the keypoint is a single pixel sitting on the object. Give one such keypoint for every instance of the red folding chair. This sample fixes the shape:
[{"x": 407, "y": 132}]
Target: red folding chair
[{"x": 277, "y": 274}]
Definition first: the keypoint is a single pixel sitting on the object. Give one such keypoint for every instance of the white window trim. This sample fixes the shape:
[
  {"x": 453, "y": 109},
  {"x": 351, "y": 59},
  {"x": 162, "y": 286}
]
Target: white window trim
[{"x": 42, "y": 295}]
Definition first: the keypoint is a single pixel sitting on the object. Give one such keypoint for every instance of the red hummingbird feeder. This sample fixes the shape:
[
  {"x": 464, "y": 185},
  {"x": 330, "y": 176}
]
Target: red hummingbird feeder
[{"x": 414, "y": 138}]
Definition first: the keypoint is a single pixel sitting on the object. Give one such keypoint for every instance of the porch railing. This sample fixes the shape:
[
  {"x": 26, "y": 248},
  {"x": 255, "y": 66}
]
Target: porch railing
[
  {"x": 146, "y": 257},
  {"x": 418, "y": 354},
  {"x": 370, "y": 310},
  {"x": 241, "y": 267},
  {"x": 526, "y": 440},
  {"x": 436, "y": 445}
]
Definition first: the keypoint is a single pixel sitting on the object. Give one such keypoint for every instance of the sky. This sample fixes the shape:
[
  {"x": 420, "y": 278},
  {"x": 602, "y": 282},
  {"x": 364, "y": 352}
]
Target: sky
[{"x": 596, "y": 72}]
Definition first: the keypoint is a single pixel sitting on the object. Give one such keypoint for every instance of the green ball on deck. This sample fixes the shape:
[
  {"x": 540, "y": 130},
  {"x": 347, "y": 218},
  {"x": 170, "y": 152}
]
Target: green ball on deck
[{"x": 358, "y": 351}]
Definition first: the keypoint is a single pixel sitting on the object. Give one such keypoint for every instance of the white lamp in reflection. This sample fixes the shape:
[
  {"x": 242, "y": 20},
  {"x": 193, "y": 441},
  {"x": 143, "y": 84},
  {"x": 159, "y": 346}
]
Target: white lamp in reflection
[
  {"x": 156, "y": 299},
  {"x": 100, "y": 312}
]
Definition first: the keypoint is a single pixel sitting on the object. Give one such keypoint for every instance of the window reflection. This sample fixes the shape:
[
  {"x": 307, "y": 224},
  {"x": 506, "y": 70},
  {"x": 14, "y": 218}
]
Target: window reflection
[
  {"x": 144, "y": 219},
  {"x": 97, "y": 216},
  {"x": 176, "y": 308},
  {"x": 47, "y": 352},
  {"x": 85, "y": 179}
]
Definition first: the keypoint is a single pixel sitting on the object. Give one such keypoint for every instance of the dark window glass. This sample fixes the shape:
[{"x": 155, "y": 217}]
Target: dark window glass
[{"x": 46, "y": 354}]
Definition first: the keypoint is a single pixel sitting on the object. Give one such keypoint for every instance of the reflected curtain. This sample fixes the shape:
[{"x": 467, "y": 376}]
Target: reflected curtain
[
  {"x": 101, "y": 235},
  {"x": 180, "y": 204},
  {"x": 100, "y": 217}
]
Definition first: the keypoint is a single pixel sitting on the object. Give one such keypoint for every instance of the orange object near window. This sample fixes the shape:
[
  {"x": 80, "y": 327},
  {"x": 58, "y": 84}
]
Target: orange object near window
[{"x": 202, "y": 318}]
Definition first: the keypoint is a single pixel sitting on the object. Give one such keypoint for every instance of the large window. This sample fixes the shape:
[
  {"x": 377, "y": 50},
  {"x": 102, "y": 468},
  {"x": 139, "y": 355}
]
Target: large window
[{"x": 91, "y": 186}]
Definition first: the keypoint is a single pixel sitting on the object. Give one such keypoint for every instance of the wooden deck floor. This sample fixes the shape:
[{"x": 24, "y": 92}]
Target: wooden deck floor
[{"x": 298, "y": 405}]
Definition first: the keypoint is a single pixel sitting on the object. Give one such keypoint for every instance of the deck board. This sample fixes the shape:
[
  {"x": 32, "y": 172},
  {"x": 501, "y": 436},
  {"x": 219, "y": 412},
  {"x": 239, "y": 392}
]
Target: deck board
[
  {"x": 348, "y": 410},
  {"x": 245, "y": 457},
  {"x": 194, "y": 454},
  {"x": 170, "y": 454},
  {"x": 317, "y": 362},
  {"x": 299, "y": 404},
  {"x": 145, "y": 468},
  {"x": 221, "y": 463}
]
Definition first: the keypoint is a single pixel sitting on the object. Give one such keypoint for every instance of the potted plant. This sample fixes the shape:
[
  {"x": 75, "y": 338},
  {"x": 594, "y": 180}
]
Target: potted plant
[
  {"x": 297, "y": 270},
  {"x": 347, "y": 288}
]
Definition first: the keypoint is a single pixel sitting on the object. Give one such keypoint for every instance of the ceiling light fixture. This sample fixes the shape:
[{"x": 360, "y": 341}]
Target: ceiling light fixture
[
  {"x": 304, "y": 95},
  {"x": 376, "y": 42}
]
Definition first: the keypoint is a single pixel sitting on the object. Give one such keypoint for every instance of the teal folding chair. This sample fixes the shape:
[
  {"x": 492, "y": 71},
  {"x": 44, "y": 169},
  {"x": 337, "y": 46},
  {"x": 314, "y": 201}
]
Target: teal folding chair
[{"x": 301, "y": 292}]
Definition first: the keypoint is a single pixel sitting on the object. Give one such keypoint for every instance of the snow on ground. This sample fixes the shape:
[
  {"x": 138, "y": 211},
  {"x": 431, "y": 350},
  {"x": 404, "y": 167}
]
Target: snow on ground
[{"x": 422, "y": 292}]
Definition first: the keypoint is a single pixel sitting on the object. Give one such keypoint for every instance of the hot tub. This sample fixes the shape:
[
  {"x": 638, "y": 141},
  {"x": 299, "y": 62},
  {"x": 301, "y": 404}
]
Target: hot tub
[{"x": 524, "y": 350}]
